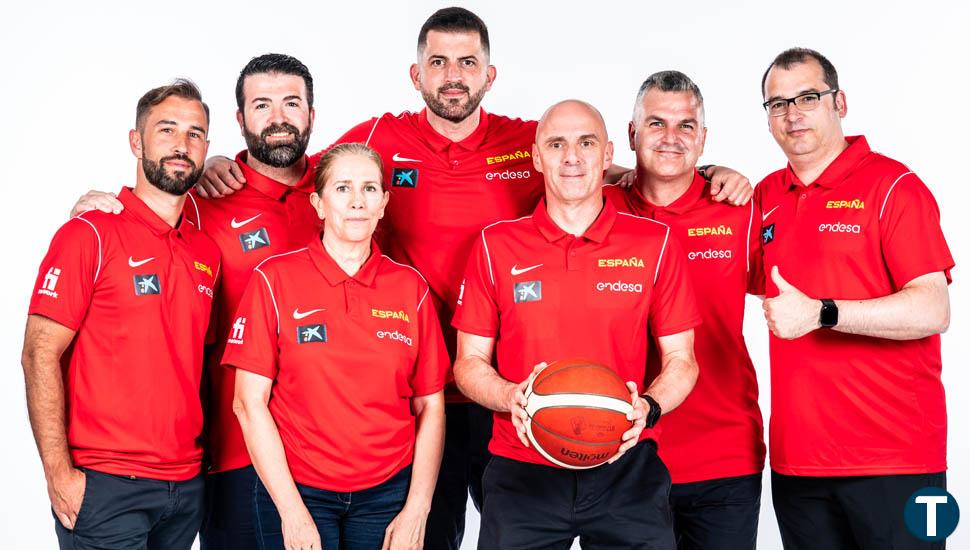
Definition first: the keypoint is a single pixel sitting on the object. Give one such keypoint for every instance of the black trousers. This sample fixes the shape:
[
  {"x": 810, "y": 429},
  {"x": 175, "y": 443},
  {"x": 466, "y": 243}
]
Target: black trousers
[
  {"x": 624, "y": 505},
  {"x": 228, "y": 523},
  {"x": 468, "y": 428},
  {"x": 717, "y": 514},
  {"x": 848, "y": 513},
  {"x": 122, "y": 513}
]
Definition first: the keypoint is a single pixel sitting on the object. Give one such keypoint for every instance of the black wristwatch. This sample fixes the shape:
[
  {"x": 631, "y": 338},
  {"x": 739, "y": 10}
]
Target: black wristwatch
[
  {"x": 828, "y": 317},
  {"x": 703, "y": 170},
  {"x": 654, "y": 414}
]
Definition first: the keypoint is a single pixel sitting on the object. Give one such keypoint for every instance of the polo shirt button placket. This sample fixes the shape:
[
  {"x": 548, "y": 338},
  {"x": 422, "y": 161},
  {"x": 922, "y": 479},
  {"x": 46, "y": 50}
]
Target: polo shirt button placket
[{"x": 353, "y": 302}]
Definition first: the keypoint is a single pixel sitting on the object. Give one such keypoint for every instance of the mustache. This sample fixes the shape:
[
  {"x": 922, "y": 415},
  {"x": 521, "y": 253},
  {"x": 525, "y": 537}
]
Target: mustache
[
  {"x": 277, "y": 128},
  {"x": 181, "y": 157},
  {"x": 454, "y": 86},
  {"x": 673, "y": 148}
]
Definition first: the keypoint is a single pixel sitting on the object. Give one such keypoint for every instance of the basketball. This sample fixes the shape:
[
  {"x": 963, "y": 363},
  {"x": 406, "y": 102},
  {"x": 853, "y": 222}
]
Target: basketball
[{"x": 577, "y": 413}]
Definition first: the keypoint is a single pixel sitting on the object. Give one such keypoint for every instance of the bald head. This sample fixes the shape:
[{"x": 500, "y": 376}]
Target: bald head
[
  {"x": 570, "y": 113},
  {"x": 572, "y": 152}
]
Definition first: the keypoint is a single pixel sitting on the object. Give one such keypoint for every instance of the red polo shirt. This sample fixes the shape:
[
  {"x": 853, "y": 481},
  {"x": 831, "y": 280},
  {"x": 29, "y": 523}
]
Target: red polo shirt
[
  {"x": 544, "y": 295},
  {"x": 262, "y": 219},
  {"x": 138, "y": 294},
  {"x": 443, "y": 193},
  {"x": 717, "y": 432},
  {"x": 346, "y": 355},
  {"x": 841, "y": 404}
]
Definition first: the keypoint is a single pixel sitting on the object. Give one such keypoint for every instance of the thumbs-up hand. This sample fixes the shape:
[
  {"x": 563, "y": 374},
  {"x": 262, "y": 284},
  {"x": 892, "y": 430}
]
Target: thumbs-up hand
[{"x": 790, "y": 314}]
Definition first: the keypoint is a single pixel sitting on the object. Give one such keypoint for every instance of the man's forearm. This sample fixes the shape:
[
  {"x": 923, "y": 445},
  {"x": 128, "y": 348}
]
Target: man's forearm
[
  {"x": 909, "y": 314},
  {"x": 45, "y": 407},
  {"x": 481, "y": 383},
  {"x": 675, "y": 381}
]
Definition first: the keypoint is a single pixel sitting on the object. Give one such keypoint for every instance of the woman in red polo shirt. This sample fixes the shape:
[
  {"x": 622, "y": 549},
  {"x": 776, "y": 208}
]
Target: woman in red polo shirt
[{"x": 340, "y": 368}]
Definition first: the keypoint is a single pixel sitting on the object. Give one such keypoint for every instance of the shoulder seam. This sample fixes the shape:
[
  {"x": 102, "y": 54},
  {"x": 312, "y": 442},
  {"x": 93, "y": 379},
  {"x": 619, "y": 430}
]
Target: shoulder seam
[
  {"x": 371, "y": 134},
  {"x": 428, "y": 287},
  {"x": 97, "y": 272},
  {"x": 890, "y": 192},
  {"x": 268, "y": 258},
  {"x": 272, "y": 297},
  {"x": 198, "y": 217},
  {"x": 747, "y": 241},
  {"x": 660, "y": 258}
]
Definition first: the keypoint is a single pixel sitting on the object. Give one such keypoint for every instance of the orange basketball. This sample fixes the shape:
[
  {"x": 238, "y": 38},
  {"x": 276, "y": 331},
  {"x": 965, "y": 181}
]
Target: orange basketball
[{"x": 577, "y": 413}]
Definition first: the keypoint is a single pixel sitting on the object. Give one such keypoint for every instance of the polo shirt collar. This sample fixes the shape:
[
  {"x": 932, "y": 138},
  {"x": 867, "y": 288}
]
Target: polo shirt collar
[
  {"x": 439, "y": 143},
  {"x": 268, "y": 186},
  {"x": 694, "y": 193},
  {"x": 143, "y": 213},
  {"x": 596, "y": 233},
  {"x": 333, "y": 273},
  {"x": 841, "y": 167}
]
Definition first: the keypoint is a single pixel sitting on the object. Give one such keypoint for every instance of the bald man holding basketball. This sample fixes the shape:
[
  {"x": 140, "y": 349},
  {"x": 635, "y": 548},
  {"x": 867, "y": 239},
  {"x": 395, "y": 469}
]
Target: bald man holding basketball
[{"x": 575, "y": 279}]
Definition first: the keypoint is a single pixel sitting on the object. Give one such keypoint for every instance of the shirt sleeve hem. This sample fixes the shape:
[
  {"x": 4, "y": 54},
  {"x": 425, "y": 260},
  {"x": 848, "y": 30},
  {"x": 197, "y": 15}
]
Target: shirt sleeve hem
[
  {"x": 56, "y": 316},
  {"x": 674, "y": 329}
]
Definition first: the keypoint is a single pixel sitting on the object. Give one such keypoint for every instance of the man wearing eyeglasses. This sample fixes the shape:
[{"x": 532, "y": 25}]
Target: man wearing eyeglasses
[{"x": 857, "y": 270}]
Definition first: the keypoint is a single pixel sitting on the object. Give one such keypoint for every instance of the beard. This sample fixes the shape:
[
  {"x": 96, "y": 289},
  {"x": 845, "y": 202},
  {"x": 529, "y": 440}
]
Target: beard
[
  {"x": 280, "y": 155},
  {"x": 452, "y": 109},
  {"x": 175, "y": 183}
]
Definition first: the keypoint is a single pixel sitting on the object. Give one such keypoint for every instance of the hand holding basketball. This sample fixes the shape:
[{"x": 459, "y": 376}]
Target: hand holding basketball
[
  {"x": 518, "y": 402},
  {"x": 639, "y": 417}
]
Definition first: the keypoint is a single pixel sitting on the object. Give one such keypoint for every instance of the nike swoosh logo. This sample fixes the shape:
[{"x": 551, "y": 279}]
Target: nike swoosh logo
[
  {"x": 516, "y": 271},
  {"x": 398, "y": 158},
  {"x": 133, "y": 263},
  {"x": 237, "y": 225},
  {"x": 768, "y": 213},
  {"x": 297, "y": 314}
]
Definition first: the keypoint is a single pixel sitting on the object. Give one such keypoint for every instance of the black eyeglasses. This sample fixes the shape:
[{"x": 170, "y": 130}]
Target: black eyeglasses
[{"x": 804, "y": 102}]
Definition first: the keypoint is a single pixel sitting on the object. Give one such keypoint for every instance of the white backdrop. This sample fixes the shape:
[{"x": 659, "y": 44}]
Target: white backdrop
[{"x": 72, "y": 75}]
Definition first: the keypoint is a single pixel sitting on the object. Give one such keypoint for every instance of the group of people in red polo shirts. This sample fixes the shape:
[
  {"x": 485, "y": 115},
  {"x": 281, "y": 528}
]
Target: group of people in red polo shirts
[{"x": 293, "y": 351}]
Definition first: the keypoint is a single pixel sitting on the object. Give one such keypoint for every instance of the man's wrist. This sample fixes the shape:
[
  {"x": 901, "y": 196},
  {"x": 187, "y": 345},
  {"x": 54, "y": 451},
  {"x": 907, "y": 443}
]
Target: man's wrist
[{"x": 653, "y": 410}]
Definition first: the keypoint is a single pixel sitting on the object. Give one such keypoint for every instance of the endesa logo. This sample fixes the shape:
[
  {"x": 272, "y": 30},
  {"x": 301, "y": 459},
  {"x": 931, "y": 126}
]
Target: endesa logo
[
  {"x": 632, "y": 261},
  {"x": 508, "y": 175},
  {"x": 709, "y": 254},
  {"x": 388, "y": 335},
  {"x": 705, "y": 231},
  {"x": 620, "y": 286},
  {"x": 839, "y": 228},
  {"x": 854, "y": 203},
  {"x": 521, "y": 154},
  {"x": 205, "y": 290}
]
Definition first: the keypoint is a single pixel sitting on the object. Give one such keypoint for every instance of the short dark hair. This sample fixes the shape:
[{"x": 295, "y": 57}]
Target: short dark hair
[
  {"x": 669, "y": 81},
  {"x": 794, "y": 56},
  {"x": 180, "y": 87},
  {"x": 454, "y": 20},
  {"x": 274, "y": 63}
]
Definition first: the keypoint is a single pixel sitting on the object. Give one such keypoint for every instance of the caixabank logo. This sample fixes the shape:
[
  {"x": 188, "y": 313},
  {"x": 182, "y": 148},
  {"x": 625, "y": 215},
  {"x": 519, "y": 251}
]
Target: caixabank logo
[{"x": 931, "y": 514}]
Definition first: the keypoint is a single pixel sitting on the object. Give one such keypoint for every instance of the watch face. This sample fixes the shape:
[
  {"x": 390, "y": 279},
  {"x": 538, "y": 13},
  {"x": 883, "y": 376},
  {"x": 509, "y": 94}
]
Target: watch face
[{"x": 829, "y": 317}]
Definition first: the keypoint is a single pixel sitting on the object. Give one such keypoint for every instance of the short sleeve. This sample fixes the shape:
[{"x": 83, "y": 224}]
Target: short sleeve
[
  {"x": 673, "y": 307},
  {"x": 432, "y": 364},
  {"x": 253, "y": 337},
  {"x": 476, "y": 311},
  {"x": 909, "y": 227},
  {"x": 68, "y": 274}
]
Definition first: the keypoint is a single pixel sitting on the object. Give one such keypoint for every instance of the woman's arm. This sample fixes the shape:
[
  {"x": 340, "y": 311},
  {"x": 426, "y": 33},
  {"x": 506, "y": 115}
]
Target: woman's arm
[
  {"x": 251, "y": 405},
  {"x": 407, "y": 529}
]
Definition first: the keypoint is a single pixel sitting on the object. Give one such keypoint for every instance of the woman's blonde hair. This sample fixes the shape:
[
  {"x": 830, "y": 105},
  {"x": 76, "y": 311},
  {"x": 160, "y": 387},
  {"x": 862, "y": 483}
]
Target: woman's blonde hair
[{"x": 343, "y": 149}]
